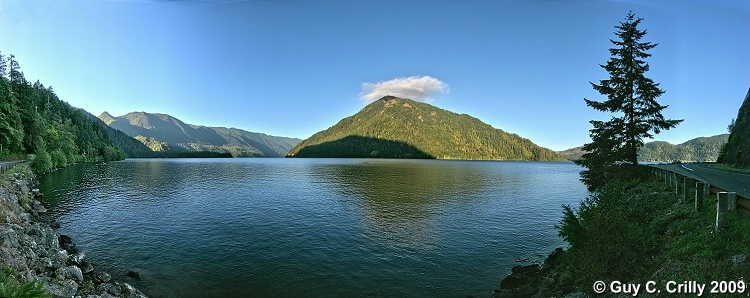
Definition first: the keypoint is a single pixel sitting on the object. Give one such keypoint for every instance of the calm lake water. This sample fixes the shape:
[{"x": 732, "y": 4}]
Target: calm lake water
[{"x": 312, "y": 227}]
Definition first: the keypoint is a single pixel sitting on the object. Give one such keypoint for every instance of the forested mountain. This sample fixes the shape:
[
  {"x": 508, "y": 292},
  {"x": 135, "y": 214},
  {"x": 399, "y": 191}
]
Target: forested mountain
[
  {"x": 394, "y": 127},
  {"x": 33, "y": 120},
  {"x": 161, "y": 132},
  {"x": 572, "y": 153},
  {"x": 129, "y": 145},
  {"x": 702, "y": 149},
  {"x": 698, "y": 149},
  {"x": 737, "y": 150}
]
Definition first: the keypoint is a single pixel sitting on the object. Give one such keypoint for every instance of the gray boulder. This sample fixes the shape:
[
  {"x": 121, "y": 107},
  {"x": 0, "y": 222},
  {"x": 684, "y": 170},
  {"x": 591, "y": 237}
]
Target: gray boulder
[
  {"x": 77, "y": 259},
  {"x": 65, "y": 288},
  {"x": 86, "y": 267},
  {"x": 37, "y": 207},
  {"x": 74, "y": 273},
  {"x": 131, "y": 292},
  {"x": 101, "y": 277}
]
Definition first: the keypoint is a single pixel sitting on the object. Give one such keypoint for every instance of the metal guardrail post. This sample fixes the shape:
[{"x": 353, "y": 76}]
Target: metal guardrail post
[
  {"x": 699, "y": 196},
  {"x": 731, "y": 201},
  {"x": 707, "y": 189},
  {"x": 687, "y": 185},
  {"x": 721, "y": 207},
  {"x": 8, "y": 166}
]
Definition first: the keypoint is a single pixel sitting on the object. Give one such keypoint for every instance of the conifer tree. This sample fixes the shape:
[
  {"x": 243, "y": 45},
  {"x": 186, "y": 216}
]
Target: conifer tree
[
  {"x": 3, "y": 66},
  {"x": 15, "y": 70},
  {"x": 631, "y": 97}
]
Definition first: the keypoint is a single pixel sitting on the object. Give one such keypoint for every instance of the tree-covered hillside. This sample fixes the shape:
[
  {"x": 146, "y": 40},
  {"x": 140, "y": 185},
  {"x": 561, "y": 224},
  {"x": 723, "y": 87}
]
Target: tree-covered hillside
[
  {"x": 164, "y": 133},
  {"x": 737, "y": 150},
  {"x": 701, "y": 149},
  {"x": 572, "y": 154},
  {"x": 33, "y": 120},
  {"x": 402, "y": 128},
  {"x": 130, "y": 146}
]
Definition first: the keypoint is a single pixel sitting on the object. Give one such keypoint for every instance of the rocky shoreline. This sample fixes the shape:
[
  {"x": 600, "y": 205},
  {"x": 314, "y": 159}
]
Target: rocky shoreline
[
  {"x": 550, "y": 279},
  {"x": 30, "y": 246}
]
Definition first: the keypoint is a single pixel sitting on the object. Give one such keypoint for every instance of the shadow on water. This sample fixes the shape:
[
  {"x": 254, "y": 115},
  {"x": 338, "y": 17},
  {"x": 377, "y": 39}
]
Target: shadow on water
[
  {"x": 400, "y": 202},
  {"x": 333, "y": 227},
  {"x": 362, "y": 147}
]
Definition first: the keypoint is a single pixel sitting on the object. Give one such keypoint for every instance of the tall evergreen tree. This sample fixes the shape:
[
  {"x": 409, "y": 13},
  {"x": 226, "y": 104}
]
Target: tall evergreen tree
[
  {"x": 3, "y": 66},
  {"x": 15, "y": 70},
  {"x": 632, "y": 97},
  {"x": 11, "y": 130}
]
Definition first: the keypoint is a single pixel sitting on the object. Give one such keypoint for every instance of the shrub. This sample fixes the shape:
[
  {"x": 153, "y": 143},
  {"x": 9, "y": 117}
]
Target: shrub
[
  {"x": 58, "y": 159},
  {"x": 610, "y": 234},
  {"x": 42, "y": 162},
  {"x": 10, "y": 287}
]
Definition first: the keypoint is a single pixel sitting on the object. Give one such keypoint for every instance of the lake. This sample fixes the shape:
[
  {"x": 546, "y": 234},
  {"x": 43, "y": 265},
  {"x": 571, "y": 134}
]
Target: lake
[{"x": 312, "y": 227}]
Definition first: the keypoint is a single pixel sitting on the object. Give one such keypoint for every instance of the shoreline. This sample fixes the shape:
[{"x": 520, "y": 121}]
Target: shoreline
[
  {"x": 549, "y": 279},
  {"x": 38, "y": 254},
  {"x": 662, "y": 239}
]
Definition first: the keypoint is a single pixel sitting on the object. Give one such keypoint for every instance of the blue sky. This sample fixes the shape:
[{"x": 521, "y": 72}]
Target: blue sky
[{"x": 293, "y": 68}]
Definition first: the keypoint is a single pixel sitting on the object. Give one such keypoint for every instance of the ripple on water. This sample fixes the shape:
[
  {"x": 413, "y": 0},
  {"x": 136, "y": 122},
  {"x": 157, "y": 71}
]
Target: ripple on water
[{"x": 323, "y": 227}]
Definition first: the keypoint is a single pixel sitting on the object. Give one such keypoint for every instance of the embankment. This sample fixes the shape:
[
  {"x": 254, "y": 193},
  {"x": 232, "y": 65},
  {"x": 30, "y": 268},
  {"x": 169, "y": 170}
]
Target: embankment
[
  {"x": 37, "y": 254},
  {"x": 640, "y": 233}
]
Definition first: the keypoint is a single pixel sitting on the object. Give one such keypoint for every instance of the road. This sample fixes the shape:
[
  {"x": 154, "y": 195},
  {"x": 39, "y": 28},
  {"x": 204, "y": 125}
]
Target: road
[{"x": 729, "y": 181}]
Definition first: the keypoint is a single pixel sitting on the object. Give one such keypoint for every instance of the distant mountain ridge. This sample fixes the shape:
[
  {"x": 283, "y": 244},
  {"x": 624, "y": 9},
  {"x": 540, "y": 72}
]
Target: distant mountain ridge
[
  {"x": 162, "y": 132},
  {"x": 701, "y": 149},
  {"x": 130, "y": 146},
  {"x": 393, "y": 127}
]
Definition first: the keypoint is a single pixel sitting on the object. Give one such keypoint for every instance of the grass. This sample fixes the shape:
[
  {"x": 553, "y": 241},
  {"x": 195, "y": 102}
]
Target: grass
[
  {"x": 12, "y": 287},
  {"x": 670, "y": 240},
  {"x": 692, "y": 239},
  {"x": 8, "y": 157},
  {"x": 22, "y": 168},
  {"x": 728, "y": 168}
]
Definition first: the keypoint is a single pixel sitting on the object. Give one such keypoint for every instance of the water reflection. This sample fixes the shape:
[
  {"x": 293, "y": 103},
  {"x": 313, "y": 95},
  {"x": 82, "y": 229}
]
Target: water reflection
[
  {"x": 400, "y": 202},
  {"x": 334, "y": 227}
]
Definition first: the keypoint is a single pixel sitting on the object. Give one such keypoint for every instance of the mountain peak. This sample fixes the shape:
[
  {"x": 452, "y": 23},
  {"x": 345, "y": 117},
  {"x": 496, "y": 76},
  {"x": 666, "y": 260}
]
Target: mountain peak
[
  {"x": 164, "y": 131},
  {"x": 106, "y": 118},
  {"x": 403, "y": 128},
  {"x": 388, "y": 97}
]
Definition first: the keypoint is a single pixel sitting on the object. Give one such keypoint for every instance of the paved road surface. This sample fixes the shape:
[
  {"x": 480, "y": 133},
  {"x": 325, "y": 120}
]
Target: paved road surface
[{"x": 729, "y": 181}]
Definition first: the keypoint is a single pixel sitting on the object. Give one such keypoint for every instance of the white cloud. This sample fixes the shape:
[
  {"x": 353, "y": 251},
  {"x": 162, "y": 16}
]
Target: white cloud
[{"x": 416, "y": 88}]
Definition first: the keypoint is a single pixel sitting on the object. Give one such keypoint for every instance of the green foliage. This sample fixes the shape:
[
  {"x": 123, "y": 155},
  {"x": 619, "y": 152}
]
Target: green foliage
[
  {"x": 110, "y": 154},
  {"x": 11, "y": 287},
  {"x": 737, "y": 151},
  {"x": 130, "y": 146},
  {"x": 610, "y": 234},
  {"x": 42, "y": 163},
  {"x": 396, "y": 127},
  {"x": 632, "y": 97},
  {"x": 11, "y": 131},
  {"x": 701, "y": 149},
  {"x": 362, "y": 147},
  {"x": 58, "y": 159},
  {"x": 704, "y": 149},
  {"x": 34, "y": 120},
  {"x": 632, "y": 230}
]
